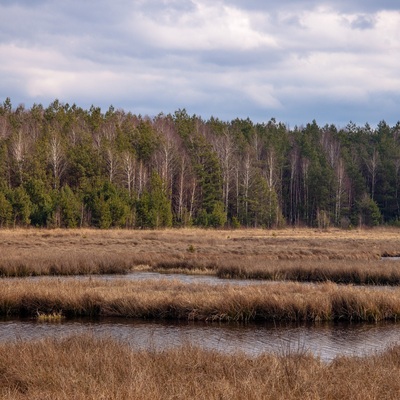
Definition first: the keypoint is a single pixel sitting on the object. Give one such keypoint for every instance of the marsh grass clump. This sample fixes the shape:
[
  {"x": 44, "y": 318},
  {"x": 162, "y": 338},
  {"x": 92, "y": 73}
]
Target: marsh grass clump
[
  {"x": 191, "y": 248},
  {"x": 55, "y": 316}
]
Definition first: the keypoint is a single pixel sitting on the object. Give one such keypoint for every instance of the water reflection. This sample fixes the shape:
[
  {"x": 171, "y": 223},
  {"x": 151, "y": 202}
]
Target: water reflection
[
  {"x": 324, "y": 340},
  {"x": 142, "y": 276}
]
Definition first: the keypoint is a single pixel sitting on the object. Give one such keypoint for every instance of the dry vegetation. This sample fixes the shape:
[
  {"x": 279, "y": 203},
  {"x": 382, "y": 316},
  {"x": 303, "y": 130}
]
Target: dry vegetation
[
  {"x": 291, "y": 254},
  {"x": 165, "y": 299},
  {"x": 83, "y": 367}
]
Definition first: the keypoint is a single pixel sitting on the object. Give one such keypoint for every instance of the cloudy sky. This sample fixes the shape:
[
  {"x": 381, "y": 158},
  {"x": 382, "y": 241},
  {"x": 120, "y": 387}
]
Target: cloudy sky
[{"x": 296, "y": 60}]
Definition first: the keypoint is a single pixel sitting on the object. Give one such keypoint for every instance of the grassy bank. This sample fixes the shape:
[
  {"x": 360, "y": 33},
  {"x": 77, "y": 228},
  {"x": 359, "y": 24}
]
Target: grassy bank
[
  {"x": 83, "y": 367},
  {"x": 302, "y": 255},
  {"x": 174, "y": 300},
  {"x": 358, "y": 272}
]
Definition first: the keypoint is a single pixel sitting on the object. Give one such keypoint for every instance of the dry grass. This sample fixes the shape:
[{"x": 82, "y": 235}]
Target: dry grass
[
  {"x": 336, "y": 255},
  {"x": 52, "y": 317},
  {"x": 176, "y": 300},
  {"x": 83, "y": 367},
  {"x": 358, "y": 272}
]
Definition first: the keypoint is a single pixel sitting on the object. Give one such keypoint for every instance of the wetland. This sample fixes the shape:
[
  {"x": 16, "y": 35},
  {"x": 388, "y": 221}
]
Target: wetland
[{"x": 308, "y": 301}]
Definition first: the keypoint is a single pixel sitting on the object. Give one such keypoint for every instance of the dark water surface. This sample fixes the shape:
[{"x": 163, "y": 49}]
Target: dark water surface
[{"x": 324, "y": 340}]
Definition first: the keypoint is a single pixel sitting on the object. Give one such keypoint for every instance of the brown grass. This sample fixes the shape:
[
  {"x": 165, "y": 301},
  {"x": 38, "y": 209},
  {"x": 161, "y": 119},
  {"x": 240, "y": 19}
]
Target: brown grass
[
  {"x": 358, "y": 272},
  {"x": 175, "y": 300},
  {"x": 83, "y": 367},
  {"x": 305, "y": 255}
]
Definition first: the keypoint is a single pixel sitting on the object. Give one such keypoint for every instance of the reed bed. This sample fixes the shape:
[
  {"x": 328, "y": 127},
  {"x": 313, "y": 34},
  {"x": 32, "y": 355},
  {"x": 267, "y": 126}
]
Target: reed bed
[
  {"x": 84, "y": 367},
  {"x": 165, "y": 299},
  {"x": 64, "y": 265}
]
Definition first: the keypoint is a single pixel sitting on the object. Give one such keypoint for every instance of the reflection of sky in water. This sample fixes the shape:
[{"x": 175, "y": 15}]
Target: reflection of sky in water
[
  {"x": 184, "y": 278},
  {"x": 142, "y": 276},
  {"x": 325, "y": 340}
]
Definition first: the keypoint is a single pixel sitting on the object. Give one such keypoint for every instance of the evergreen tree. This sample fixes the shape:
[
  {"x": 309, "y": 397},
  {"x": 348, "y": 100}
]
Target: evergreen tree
[
  {"x": 21, "y": 206},
  {"x": 70, "y": 208},
  {"x": 6, "y": 211}
]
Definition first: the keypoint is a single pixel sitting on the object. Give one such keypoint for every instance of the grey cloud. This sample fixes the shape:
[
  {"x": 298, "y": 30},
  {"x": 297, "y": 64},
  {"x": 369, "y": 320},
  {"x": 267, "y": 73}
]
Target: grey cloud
[
  {"x": 25, "y": 3},
  {"x": 364, "y": 6},
  {"x": 156, "y": 7},
  {"x": 363, "y": 22},
  {"x": 252, "y": 59}
]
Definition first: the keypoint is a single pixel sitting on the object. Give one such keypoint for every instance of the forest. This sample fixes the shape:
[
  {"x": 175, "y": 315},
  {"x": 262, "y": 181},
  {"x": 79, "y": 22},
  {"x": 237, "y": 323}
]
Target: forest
[{"x": 64, "y": 166}]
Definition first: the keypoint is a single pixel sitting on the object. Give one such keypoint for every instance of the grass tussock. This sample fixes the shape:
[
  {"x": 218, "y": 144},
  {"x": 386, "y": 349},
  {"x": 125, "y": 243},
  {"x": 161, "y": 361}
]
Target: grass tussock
[
  {"x": 52, "y": 317},
  {"x": 201, "y": 302},
  {"x": 83, "y": 367}
]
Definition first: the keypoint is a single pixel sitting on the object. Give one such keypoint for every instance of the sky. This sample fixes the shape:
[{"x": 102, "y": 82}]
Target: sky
[{"x": 334, "y": 61}]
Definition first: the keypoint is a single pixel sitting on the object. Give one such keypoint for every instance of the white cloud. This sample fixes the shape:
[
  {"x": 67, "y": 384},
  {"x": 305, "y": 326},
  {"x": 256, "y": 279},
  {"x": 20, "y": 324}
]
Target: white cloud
[
  {"x": 158, "y": 54},
  {"x": 206, "y": 27}
]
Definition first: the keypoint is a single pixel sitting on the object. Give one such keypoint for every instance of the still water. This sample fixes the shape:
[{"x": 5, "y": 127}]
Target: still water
[
  {"x": 324, "y": 340},
  {"x": 144, "y": 276}
]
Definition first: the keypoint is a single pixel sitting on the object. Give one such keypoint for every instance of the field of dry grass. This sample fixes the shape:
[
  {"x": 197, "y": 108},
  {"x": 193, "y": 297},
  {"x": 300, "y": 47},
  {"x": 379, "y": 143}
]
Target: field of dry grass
[
  {"x": 164, "y": 299},
  {"x": 292, "y": 254},
  {"x": 83, "y": 367}
]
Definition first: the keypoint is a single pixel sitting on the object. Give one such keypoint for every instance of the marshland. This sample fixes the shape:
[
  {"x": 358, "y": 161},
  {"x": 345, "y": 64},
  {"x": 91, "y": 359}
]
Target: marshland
[
  {"x": 288, "y": 254},
  {"x": 297, "y": 275}
]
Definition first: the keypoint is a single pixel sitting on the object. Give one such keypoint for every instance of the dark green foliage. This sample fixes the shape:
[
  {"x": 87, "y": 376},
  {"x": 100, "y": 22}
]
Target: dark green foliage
[
  {"x": 70, "y": 208},
  {"x": 218, "y": 216},
  {"x": 144, "y": 140},
  {"x": 63, "y": 166},
  {"x": 21, "y": 206},
  {"x": 263, "y": 206},
  {"x": 106, "y": 205},
  {"x": 42, "y": 203},
  {"x": 207, "y": 169},
  {"x": 154, "y": 207},
  {"x": 6, "y": 211},
  {"x": 369, "y": 212}
]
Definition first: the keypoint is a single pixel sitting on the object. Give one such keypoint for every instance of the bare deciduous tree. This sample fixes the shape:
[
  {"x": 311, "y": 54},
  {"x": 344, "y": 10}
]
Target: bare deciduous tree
[
  {"x": 129, "y": 166},
  {"x": 57, "y": 159},
  {"x": 372, "y": 165},
  {"x": 225, "y": 148}
]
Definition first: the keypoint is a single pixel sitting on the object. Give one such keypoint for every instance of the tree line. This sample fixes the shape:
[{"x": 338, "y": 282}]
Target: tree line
[{"x": 63, "y": 166}]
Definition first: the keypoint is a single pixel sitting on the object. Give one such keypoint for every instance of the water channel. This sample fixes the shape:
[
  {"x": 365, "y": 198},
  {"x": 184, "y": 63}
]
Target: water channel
[{"x": 324, "y": 340}]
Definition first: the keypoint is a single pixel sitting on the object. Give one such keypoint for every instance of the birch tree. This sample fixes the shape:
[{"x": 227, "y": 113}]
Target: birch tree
[{"x": 57, "y": 159}]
